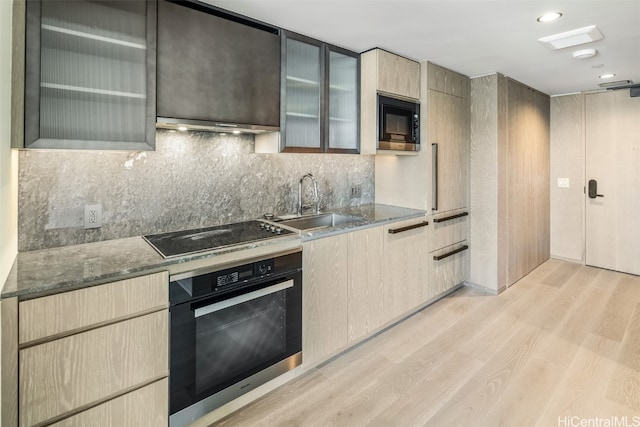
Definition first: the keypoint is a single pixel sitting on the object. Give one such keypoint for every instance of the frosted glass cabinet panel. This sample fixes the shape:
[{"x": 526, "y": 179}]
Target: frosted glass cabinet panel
[
  {"x": 343, "y": 101},
  {"x": 90, "y": 74},
  {"x": 303, "y": 94},
  {"x": 320, "y": 99}
]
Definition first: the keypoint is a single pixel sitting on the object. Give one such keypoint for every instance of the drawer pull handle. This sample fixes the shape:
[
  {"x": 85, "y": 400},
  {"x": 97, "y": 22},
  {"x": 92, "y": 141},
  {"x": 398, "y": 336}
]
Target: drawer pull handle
[
  {"x": 408, "y": 227},
  {"x": 448, "y": 218},
  {"x": 448, "y": 254}
]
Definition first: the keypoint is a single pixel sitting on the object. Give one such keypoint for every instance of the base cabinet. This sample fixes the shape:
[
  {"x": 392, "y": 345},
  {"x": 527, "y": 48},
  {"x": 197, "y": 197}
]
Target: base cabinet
[
  {"x": 145, "y": 407},
  {"x": 324, "y": 297},
  {"x": 449, "y": 251},
  {"x": 406, "y": 245},
  {"x": 97, "y": 362},
  {"x": 366, "y": 288},
  {"x": 450, "y": 267}
]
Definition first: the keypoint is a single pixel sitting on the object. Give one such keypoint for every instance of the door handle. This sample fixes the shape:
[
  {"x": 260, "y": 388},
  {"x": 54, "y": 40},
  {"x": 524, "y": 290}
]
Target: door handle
[
  {"x": 593, "y": 189},
  {"x": 434, "y": 177}
]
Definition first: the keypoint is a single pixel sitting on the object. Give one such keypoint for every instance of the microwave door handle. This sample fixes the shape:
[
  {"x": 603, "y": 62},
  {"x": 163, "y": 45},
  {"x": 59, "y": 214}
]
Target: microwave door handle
[
  {"x": 212, "y": 308},
  {"x": 434, "y": 180}
]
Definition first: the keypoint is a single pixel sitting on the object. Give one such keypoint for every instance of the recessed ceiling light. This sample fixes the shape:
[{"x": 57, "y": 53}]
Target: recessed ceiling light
[
  {"x": 549, "y": 16},
  {"x": 584, "y": 53},
  {"x": 182, "y": 128},
  {"x": 606, "y": 76},
  {"x": 573, "y": 37},
  {"x": 236, "y": 132}
]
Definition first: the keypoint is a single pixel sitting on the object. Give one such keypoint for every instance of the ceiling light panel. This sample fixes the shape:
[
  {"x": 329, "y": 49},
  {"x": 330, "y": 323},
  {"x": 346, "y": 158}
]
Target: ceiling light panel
[{"x": 572, "y": 38}]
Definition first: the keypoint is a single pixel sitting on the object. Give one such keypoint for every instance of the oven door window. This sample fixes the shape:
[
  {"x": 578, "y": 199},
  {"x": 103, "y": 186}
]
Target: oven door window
[{"x": 233, "y": 339}]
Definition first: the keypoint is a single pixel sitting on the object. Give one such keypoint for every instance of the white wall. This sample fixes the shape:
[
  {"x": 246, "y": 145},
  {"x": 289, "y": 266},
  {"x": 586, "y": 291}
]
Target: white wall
[
  {"x": 567, "y": 161},
  {"x": 8, "y": 158}
]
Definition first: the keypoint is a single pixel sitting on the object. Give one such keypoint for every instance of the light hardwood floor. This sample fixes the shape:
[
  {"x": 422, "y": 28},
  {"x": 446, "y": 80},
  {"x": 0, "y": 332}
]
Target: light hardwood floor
[{"x": 563, "y": 342}]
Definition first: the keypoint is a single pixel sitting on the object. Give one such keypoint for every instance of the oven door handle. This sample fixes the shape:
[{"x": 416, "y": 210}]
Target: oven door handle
[{"x": 212, "y": 308}]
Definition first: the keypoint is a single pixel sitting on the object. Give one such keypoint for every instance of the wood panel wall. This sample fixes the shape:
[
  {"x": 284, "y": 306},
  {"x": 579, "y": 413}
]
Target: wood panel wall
[
  {"x": 527, "y": 179},
  {"x": 510, "y": 225}
]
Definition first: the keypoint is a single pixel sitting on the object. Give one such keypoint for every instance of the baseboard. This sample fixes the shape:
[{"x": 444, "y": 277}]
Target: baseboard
[
  {"x": 573, "y": 260},
  {"x": 484, "y": 289}
]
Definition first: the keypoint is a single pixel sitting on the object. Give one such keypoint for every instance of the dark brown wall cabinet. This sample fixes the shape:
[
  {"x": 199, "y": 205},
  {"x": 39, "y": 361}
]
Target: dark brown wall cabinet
[
  {"x": 213, "y": 69},
  {"x": 89, "y": 80}
]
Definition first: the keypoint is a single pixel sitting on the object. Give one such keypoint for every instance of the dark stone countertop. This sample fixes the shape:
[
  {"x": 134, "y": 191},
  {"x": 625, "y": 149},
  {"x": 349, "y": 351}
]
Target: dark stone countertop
[{"x": 49, "y": 271}]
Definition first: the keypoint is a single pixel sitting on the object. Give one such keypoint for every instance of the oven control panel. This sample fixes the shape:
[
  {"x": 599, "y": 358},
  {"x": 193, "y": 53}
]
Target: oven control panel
[{"x": 233, "y": 278}]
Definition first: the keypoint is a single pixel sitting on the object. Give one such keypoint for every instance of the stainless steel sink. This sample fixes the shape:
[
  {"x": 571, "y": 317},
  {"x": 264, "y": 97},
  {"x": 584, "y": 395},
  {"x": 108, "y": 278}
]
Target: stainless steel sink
[{"x": 319, "y": 221}]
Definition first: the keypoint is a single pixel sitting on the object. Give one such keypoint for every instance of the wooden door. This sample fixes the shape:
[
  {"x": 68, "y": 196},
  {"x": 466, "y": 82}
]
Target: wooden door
[{"x": 613, "y": 161}]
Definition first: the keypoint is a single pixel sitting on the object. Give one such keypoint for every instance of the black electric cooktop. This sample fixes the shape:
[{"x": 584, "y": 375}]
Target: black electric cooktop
[{"x": 206, "y": 239}]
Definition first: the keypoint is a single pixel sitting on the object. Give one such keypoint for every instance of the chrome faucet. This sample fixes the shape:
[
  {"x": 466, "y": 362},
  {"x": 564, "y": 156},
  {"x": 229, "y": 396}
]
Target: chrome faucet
[{"x": 316, "y": 200}]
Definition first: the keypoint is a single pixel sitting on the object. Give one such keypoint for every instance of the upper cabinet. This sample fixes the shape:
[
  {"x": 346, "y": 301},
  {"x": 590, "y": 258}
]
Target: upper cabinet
[
  {"x": 391, "y": 75},
  {"x": 216, "y": 69},
  {"x": 90, "y": 75},
  {"x": 397, "y": 75},
  {"x": 320, "y": 99}
]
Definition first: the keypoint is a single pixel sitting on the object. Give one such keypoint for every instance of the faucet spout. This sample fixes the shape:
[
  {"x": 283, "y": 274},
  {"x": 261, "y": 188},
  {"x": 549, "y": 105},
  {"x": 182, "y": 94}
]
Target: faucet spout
[{"x": 316, "y": 199}]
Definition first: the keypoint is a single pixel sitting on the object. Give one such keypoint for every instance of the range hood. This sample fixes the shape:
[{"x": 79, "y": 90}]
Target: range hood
[
  {"x": 216, "y": 71},
  {"x": 181, "y": 124}
]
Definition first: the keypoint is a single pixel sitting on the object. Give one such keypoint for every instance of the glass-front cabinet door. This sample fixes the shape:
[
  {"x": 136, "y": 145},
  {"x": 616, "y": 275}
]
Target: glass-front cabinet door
[
  {"x": 303, "y": 84},
  {"x": 343, "y": 101},
  {"x": 90, "y": 74},
  {"x": 320, "y": 105}
]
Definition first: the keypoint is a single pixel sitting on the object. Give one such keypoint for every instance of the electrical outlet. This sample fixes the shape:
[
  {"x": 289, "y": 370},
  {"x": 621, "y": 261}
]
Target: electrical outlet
[
  {"x": 93, "y": 216},
  {"x": 356, "y": 192},
  {"x": 563, "y": 182}
]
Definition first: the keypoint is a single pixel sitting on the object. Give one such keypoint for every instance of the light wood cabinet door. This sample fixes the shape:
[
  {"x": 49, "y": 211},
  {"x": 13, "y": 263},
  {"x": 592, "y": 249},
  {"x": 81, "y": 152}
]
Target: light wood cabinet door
[
  {"x": 450, "y": 267},
  {"x": 448, "y": 228},
  {"x": 366, "y": 291},
  {"x": 449, "y": 142},
  {"x": 69, "y": 312},
  {"x": 444, "y": 80},
  {"x": 398, "y": 75},
  {"x": 405, "y": 269},
  {"x": 145, "y": 407},
  {"x": 85, "y": 369},
  {"x": 324, "y": 297}
]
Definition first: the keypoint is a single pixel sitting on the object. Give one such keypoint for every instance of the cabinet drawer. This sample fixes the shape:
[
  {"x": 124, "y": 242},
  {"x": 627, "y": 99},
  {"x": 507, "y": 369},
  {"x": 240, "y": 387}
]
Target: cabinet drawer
[
  {"x": 68, "y": 312},
  {"x": 145, "y": 407},
  {"x": 449, "y": 267},
  {"x": 448, "y": 228},
  {"x": 84, "y": 369}
]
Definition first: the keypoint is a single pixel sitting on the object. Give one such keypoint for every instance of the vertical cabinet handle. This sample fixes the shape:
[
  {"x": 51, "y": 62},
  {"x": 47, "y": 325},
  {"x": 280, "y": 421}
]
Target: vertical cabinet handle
[{"x": 434, "y": 180}]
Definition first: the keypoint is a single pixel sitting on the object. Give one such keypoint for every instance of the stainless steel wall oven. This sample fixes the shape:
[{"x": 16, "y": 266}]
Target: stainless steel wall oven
[{"x": 231, "y": 331}]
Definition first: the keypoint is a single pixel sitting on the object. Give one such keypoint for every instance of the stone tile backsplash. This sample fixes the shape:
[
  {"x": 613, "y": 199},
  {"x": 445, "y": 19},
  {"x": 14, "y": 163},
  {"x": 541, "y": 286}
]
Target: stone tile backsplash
[{"x": 193, "y": 179}]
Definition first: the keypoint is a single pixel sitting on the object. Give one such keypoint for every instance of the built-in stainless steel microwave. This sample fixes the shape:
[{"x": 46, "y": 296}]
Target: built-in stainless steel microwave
[{"x": 398, "y": 124}]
